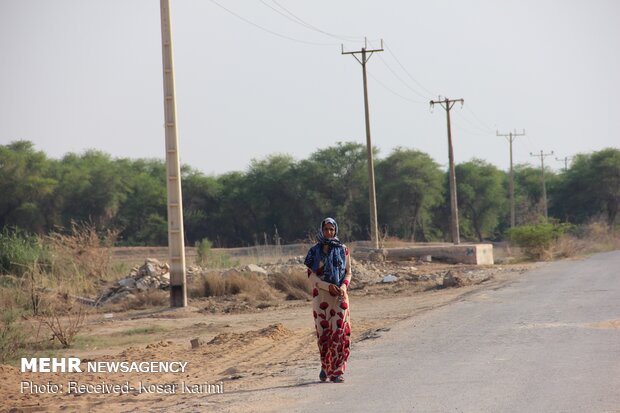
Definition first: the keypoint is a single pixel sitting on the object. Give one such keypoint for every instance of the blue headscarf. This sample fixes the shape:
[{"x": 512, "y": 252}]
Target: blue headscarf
[{"x": 334, "y": 261}]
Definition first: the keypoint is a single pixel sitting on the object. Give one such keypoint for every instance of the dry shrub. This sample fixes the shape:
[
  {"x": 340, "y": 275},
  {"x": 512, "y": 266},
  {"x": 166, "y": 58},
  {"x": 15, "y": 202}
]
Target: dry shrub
[
  {"x": 295, "y": 285},
  {"x": 64, "y": 319},
  {"x": 599, "y": 237},
  {"x": 249, "y": 287},
  {"x": 146, "y": 299},
  {"x": 12, "y": 336},
  {"x": 566, "y": 246},
  {"x": 81, "y": 258}
]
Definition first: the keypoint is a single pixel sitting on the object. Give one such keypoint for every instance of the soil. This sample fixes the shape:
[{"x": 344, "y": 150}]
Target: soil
[{"x": 240, "y": 348}]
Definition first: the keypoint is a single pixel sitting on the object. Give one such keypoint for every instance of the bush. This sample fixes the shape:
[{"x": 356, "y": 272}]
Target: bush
[
  {"x": 12, "y": 336},
  {"x": 19, "y": 251},
  {"x": 81, "y": 258},
  {"x": 207, "y": 258},
  {"x": 536, "y": 240},
  {"x": 64, "y": 322},
  {"x": 296, "y": 286}
]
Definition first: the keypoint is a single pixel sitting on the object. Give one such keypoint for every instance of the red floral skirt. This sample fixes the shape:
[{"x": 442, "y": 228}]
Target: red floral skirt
[{"x": 333, "y": 331}]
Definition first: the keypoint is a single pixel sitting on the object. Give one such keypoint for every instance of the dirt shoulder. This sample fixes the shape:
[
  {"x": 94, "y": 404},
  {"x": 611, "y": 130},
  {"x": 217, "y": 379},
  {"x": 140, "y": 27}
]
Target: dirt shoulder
[{"x": 239, "y": 352}]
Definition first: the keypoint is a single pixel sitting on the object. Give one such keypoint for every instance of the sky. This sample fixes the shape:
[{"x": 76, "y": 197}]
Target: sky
[{"x": 262, "y": 77}]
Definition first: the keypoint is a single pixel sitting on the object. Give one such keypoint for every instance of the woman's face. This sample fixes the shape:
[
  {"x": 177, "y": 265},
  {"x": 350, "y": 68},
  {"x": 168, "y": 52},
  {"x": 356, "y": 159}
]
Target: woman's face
[{"x": 329, "y": 231}]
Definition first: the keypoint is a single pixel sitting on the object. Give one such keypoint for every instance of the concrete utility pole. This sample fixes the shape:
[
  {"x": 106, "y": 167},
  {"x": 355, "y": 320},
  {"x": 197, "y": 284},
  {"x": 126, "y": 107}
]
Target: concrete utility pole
[
  {"x": 544, "y": 188},
  {"x": 374, "y": 226},
  {"x": 454, "y": 209},
  {"x": 176, "y": 243},
  {"x": 511, "y": 137}
]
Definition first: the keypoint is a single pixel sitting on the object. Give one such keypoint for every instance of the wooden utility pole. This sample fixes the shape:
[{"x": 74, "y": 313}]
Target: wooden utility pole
[
  {"x": 374, "y": 226},
  {"x": 565, "y": 160},
  {"x": 544, "y": 188},
  {"x": 511, "y": 137},
  {"x": 176, "y": 243},
  {"x": 454, "y": 210}
]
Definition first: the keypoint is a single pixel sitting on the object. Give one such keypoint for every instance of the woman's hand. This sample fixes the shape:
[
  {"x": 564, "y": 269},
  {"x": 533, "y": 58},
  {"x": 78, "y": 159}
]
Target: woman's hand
[{"x": 334, "y": 290}]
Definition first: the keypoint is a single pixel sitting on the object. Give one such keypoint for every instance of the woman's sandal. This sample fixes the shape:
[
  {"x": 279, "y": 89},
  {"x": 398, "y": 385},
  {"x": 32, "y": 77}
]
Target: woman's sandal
[
  {"x": 323, "y": 375},
  {"x": 337, "y": 379}
]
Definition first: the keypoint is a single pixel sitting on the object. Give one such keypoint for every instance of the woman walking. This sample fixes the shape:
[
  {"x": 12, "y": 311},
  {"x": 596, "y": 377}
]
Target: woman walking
[{"x": 329, "y": 270}]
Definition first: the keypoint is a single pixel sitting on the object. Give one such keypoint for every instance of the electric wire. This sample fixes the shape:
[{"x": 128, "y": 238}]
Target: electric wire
[
  {"x": 393, "y": 91},
  {"x": 401, "y": 79},
  {"x": 486, "y": 126},
  {"x": 485, "y": 130},
  {"x": 283, "y": 36},
  {"x": 407, "y": 85},
  {"x": 482, "y": 127},
  {"x": 291, "y": 16},
  {"x": 405, "y": 70}
]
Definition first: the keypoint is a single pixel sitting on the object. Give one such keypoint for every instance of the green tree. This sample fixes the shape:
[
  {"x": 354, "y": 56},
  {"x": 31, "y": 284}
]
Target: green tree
[
  {"x": 528, "y": 193},
  {"x": 334, "y": 181},
  {"x": 590, "y": 188},
  {"x": 481, "y": 197},
  {"x": 91, "y": 188},
  {"x": 201, "y": 206},
  {"x": 237, "y": 219},
  {"x": 141, "y": 216},
  {"x": 273, "y": 199},
  {"x": 409, "y": 186},
  {"x": 27, "y": 190}
]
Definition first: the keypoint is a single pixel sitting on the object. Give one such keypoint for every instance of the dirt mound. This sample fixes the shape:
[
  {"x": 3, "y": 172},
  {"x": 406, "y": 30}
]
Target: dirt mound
[{"x": 274, "y": 332}]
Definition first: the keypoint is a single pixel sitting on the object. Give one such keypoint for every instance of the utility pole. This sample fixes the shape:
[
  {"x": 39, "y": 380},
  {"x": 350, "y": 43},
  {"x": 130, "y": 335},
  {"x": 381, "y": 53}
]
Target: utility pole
[
  {"x": 542, "y": 167},
  {"x": 454, "y": 210},
  {"x": 565, "y": 160},
  {"x": 511, "y": 137},
  {"x": 176, "y": 243},
  {"x": 374, "y": 226}
]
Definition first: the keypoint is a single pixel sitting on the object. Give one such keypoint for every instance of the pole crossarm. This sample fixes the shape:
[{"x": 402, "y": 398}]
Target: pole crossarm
[
  {"x": 446, "y": 103},
  {"x": 365, "y": 52},
  {"x": 565, "y": 160},
  {"x": 511, "y": 135}
]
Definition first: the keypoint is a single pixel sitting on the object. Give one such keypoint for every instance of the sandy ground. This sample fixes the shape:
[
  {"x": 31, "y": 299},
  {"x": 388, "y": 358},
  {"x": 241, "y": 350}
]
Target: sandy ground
[{"x": 239, "y": 353}]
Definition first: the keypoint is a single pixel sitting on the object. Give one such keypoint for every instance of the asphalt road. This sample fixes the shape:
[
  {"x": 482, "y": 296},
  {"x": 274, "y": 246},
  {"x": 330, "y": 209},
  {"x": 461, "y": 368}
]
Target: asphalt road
[{"x": 549, "y": 342}]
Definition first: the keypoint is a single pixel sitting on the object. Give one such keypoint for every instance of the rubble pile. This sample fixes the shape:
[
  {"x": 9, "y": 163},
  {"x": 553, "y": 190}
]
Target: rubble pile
[{"x": 150, "y": 276}]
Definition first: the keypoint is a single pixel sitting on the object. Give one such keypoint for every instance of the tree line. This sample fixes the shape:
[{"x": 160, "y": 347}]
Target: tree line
[{"x": 280, "y": 199}]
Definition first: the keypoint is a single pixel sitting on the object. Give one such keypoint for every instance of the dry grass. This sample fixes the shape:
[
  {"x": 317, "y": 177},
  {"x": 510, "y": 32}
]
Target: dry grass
[
  {"x": 80, "y": 259},
  {"x": 249, "y": 286},
  {"x": 255, "y": 290},
  {"x": 295, "y": 285},
  {"x": 146, "y": 299},
  {"x": 593, "y": 237}
]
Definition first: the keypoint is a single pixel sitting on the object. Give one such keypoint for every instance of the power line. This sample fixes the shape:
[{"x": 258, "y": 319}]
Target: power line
[
  {"x": 289, "y": 15},
  {"x": 401, "y": 79},
  {"x": 383, "y": 85},
  {"x": 407, "y": 72},
  {"x": 283, "y": 36},
  {"x": 478, "y": 119},
  {"x": 485, "y": 131}
]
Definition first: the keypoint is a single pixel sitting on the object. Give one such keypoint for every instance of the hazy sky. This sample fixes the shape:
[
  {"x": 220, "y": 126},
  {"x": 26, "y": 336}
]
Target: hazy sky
[{"x": 86, "y": 74}]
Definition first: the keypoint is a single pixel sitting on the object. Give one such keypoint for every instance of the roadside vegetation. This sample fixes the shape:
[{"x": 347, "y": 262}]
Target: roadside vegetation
[
  {"x": 278, "y": 200},
  {"x": 60, "y": 218}
]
